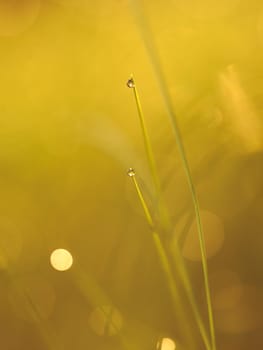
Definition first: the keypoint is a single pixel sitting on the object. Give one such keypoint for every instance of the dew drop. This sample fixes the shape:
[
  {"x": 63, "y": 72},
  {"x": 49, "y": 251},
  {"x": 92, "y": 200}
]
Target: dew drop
[
  {"x": 130, "y": 83},
  {"x": 131, "y": 172}
]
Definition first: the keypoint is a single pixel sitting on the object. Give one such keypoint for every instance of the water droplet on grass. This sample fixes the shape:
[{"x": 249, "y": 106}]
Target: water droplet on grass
[
  {"x": 130, "y": 83},
  {"x": 131, "y": 172}
]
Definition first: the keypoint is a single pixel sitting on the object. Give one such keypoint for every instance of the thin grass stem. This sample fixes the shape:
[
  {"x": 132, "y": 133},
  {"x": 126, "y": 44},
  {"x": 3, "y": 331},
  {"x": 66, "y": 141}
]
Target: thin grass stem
[
  {"x": 179, "y": 264},
  {"x": 150, "y": 157},
  {"x": 167, "y": 267},
  {"x": 154, "y": 57},
  {"x": 146, "y": 139},
  {"x": 143, "y": 203}
]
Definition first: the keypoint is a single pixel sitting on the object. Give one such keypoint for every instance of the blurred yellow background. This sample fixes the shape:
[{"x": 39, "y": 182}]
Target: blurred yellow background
[{"x": 69, "y": 130}]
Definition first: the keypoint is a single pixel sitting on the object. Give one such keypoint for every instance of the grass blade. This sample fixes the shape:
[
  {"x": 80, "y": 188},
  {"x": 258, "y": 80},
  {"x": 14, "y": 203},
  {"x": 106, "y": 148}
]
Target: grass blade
[{"x": 154, "y": 57}]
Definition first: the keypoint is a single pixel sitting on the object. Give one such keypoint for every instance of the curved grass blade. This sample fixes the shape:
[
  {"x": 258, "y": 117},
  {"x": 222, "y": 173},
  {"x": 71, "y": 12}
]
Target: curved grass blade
[{"x": 154, "y": 57}]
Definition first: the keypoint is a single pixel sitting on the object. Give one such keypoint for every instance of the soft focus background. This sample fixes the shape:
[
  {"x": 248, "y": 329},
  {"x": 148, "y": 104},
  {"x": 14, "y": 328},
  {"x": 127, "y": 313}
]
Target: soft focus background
[{"x": 68, "y": 132}]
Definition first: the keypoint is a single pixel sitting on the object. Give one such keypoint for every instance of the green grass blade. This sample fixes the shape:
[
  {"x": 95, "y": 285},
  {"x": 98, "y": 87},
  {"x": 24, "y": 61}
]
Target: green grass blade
[
  {"x": 154, "y": 57},
  {"x": 179, "y": 263},
  {"x": 164, "y": 260}
]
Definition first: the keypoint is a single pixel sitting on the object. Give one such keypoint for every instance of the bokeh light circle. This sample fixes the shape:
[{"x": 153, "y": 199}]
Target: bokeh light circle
[
  {"x": 166, "y": 344},
  {"x": 214, "y": 235},
  {"x": 18, "y": 16},
  {"x": 61, "y": 259},
  {"x": 240, "y": 309},
  {"x": 106, "y": 320}
]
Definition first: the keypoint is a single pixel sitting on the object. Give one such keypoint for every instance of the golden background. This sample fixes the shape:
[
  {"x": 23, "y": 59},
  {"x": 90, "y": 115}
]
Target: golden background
[{"x": 69, "y": 131}]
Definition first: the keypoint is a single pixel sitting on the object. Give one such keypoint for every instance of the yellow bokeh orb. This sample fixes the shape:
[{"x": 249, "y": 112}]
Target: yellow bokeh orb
[
  {"x": 166, "y": 344},
  {"x": 61, "y": 259}
]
